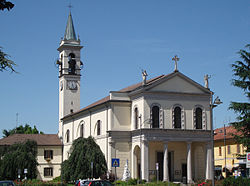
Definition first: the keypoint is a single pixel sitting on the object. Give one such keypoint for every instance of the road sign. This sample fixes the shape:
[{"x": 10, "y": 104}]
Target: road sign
[
  {"x": 248, "y": 160},
  {"x": 115, "y": 162}
]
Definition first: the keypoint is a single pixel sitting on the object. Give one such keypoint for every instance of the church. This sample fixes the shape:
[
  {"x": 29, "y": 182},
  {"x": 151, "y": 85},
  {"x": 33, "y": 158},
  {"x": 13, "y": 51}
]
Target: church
[{"x": 161, "y": 125}]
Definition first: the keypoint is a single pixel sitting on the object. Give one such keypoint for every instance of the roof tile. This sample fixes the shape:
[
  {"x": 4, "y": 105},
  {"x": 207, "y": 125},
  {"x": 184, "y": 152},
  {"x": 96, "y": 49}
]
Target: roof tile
[
  {"x": 127, "y": 89},
  {"x": 41, "y": 139},
  {"x": 219, "y": 133}
]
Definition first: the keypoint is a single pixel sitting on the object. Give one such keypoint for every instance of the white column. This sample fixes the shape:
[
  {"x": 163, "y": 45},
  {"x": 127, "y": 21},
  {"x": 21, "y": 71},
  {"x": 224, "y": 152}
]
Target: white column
[
  {"x": 144, "y": 160},
  {"x": 189, "y": 163},
  {"x": 208, "y": 161},
  {"x": 133, "y": 162},
  {"x": 165, "y": 163},
  {"x": 110, "y": 154}
]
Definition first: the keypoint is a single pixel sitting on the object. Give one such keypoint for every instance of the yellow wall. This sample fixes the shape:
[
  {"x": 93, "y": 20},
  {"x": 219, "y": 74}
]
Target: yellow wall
[
  {"x": 54, "y": 163},
  {"x": 230, "y": 156}
]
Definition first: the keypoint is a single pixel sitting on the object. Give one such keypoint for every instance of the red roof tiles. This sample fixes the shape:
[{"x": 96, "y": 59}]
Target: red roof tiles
[
  {"x": 41, "y": 139},
  {"x": 130, "y": 89},
  {"x": 219, "y": 133},
  {"x": 127, "y": 89}
]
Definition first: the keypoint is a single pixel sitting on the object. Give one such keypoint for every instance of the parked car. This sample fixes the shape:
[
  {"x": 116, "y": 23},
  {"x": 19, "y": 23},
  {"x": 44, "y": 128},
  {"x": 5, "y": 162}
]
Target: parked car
[
  {"x": 81, "y": 182},
  {"x": 77, "y": 183},
  {"x": 7, "y": 183},
  {"x": 98, "y": 183}
]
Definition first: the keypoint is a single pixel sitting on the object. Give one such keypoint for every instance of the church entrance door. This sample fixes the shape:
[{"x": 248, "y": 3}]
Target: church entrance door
[
  {"x": 160, "y": 161},
  {"x": 184, "y": 170}
]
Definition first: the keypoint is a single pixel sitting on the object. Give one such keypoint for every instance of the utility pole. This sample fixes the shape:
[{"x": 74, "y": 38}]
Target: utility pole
[
  {"x": 16, "y": 121},
  {"x": 225, "y": 150}
]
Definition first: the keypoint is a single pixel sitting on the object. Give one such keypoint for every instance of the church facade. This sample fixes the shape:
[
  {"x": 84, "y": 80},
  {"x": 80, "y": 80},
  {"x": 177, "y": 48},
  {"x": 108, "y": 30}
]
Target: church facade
[{"x": 159, "y": 125}]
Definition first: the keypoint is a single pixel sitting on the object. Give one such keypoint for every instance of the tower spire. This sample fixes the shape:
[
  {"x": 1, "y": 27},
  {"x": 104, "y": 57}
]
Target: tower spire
[{"x": 70, "y": 31}]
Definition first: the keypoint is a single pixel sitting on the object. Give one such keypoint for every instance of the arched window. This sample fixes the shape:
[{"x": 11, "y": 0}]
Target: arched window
[
  {"x": 136, "y": 117},
  {"x": 72, "y": 55},
  {"x": 67, "y": 136},
  {"x": 72, "y": 63},
  {"x": 81, "y": 131},
  {"x": 198, "y": 118},
  {"x": 155, "y": 117},
  {"x": 98, "y": 127},
  {"x": 177, "y": 117}
]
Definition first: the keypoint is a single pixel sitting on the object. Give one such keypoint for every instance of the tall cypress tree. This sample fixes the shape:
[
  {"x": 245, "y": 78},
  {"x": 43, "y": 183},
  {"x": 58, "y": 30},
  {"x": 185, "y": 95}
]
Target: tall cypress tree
[
  {"x": 241, "y": 71},
  {"x": 78, "y": 165}
]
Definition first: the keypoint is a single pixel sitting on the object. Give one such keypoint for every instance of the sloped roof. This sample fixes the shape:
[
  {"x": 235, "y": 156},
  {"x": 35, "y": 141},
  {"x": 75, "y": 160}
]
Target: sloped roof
[
  {"x": 41, "y": 139},
  {"x": 107, "y": 98},
  {"x": 137, "y": 86},
  {"x": 219, "y": 133}
]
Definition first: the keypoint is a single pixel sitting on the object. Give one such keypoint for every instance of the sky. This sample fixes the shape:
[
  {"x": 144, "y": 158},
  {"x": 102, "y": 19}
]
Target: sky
[{"x": 120, "y": 37}]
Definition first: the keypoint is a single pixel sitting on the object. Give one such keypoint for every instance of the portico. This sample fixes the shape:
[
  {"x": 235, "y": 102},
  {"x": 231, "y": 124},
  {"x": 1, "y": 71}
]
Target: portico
[{"x": 176, "y": 155}]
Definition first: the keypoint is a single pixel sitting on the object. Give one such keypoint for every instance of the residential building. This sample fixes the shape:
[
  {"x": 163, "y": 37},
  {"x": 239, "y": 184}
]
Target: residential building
[
  {"x": 227, "y": 151},
  {"x": 49, "y": 152}
]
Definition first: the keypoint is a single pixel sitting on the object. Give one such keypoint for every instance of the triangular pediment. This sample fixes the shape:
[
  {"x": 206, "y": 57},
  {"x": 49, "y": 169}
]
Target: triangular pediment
[{"x": 178, "y": 83}]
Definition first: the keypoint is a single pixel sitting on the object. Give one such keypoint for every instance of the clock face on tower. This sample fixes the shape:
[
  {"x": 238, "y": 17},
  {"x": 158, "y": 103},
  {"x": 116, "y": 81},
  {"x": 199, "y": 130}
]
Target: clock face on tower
[{"x": 72, "y": 85}]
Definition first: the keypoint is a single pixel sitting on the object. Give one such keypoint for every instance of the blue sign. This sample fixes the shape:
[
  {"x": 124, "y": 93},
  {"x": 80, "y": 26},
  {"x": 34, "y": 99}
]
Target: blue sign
[{"x": 115, "y": 162}]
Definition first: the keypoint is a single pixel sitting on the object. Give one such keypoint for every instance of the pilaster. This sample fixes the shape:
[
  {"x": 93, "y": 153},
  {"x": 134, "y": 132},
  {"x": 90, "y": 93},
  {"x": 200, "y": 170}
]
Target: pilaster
[{"x": 111, "y": 147}]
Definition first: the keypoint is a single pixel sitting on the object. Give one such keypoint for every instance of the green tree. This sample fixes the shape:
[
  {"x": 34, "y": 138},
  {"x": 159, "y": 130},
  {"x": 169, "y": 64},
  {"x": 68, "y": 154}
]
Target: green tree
[
  {"x": 5, "y": 62},
  {"x": 241, "y": 71},
  {"x": 18, "y": 156},
  {"x": 6, "y": 5},
  {"x": 78, "y": 166},
  {"x": 27, "y": 129}
]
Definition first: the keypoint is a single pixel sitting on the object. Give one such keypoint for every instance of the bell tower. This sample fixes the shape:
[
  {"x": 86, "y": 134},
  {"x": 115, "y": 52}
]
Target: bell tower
[{"x": 69, "y": 72}]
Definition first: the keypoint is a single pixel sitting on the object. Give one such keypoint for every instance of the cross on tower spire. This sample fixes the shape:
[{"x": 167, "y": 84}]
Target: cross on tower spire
[
  {"x": 70, "y": 31},
  {"x": 175, "y": 59},
  {"x": 70, "y": 6}
]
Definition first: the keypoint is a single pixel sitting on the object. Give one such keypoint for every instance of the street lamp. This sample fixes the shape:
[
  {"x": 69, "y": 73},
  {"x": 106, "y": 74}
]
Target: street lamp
[
  {"x": 213, "y": 104},
  {"x": 216, "y": 102},
  {"x": 225, "y": 154},
  {"x": 225, "y": 149}
]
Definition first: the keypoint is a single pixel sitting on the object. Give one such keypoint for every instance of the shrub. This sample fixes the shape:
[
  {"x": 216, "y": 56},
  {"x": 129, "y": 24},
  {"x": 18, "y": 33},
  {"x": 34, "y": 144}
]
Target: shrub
[
  {"x": 162, "y": 184},
  {"x": 132, "y": 181},
  {"x": 38, "y": 183},
  {"x": 143, "y": 181},
  {"x": 111, "y": 177},
  {"x": 204, "y": 182},
  {"x": 120, "y": 182},
  {"x": 57, "y": 179},
  {"x": 239, "y": 181}
]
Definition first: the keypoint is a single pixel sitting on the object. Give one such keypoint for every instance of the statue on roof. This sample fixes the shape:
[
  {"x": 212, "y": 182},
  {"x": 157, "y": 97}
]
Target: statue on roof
[
  {"x": 175, "y": 59},
  {"x": 206, "y": 78},
  {"x": 144, "y": 77}
]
